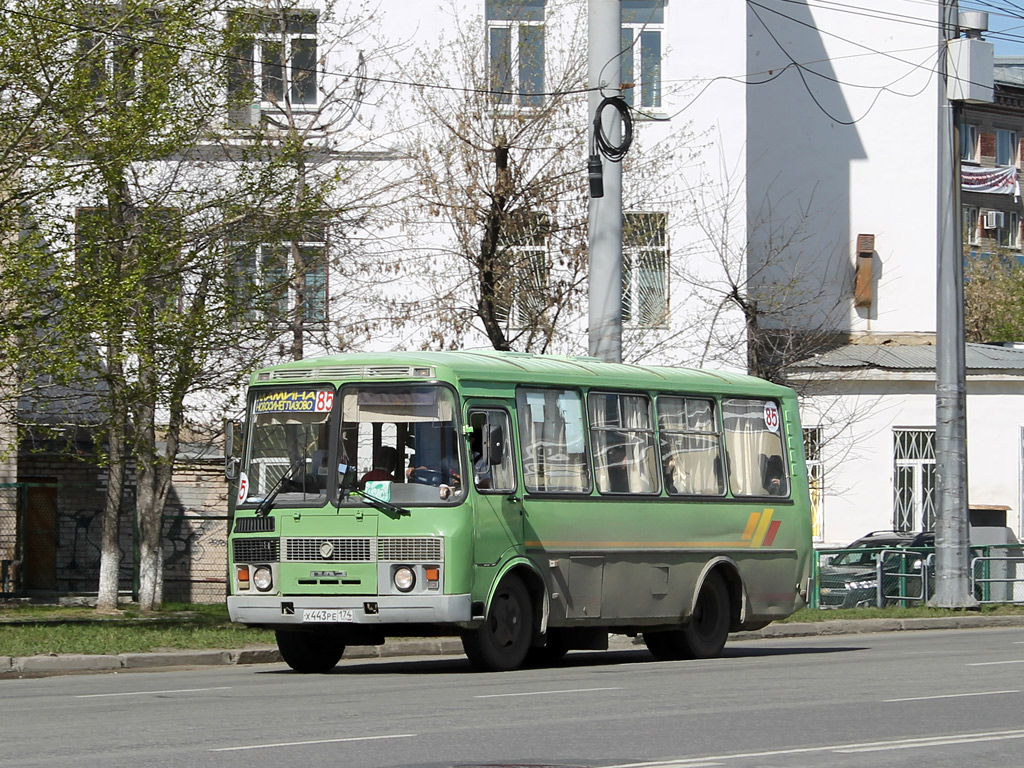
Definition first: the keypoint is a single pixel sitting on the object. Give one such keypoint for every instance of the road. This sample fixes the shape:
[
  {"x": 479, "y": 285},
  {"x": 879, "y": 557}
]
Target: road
[{"x": 938, "y": 698}]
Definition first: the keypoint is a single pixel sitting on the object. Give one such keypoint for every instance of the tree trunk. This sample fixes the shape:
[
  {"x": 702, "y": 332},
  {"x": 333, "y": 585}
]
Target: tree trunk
[
  {"x": 155, "y": 472},
  {"x": 110, "y": 550}
]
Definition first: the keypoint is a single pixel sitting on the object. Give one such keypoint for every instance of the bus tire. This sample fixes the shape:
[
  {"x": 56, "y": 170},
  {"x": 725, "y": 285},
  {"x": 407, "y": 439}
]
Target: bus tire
[
  {"x": 705, "y": 635},
  {"x": 504, "y": 639},
  {"x": 309, "y": 652}
]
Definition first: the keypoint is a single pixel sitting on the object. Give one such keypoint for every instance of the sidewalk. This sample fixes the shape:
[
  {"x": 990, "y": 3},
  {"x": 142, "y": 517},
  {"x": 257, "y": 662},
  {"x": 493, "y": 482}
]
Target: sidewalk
[{"x": 65, "y": 664}]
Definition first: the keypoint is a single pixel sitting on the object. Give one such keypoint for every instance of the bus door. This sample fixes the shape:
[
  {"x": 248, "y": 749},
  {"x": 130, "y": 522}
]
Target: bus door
[{"x": 498, "y": 505}]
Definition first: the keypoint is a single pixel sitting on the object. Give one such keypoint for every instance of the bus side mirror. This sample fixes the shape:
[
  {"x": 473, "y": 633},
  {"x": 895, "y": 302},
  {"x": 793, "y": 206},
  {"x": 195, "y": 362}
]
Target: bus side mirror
[
  {"x": 232, "y": 463},
  {"x": 496, "y": 446}
]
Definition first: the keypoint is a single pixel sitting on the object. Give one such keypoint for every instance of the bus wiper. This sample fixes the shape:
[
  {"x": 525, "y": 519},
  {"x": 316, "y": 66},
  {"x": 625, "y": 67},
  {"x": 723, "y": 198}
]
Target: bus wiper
[
  {"x": 268, "y": 501},
  {"x": 389, "y": 509}
]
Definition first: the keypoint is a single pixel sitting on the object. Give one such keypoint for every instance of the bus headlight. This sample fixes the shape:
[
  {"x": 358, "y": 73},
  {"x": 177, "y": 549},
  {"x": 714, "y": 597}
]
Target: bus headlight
[
  {"x": 262, "y": 578},
  {"x": 404, "y": 578}
]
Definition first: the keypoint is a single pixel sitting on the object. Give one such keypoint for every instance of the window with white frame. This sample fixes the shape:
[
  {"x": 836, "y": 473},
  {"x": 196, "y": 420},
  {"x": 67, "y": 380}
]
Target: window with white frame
[
  {"x": 112, "y": 49},
  {"x": 969, "y": 142},
  {"x": 286, "y": 273},
  {"x": 913, "y": 479},
  {"x": 1008, "y": 235},
  {"x": 970, "y": 225},
  {"x": 643, "y": 22},
  {"x": 515, "y": 50},
  {"x": 1006, "y": 147},
  {"x": 275, "y": 62},
  {"x": 645, "y": 269},
  {"x": 523, "y": 293}
]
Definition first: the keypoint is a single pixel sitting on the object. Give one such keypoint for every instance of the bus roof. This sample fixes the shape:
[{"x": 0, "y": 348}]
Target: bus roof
[{"x": 511, "y": 367}]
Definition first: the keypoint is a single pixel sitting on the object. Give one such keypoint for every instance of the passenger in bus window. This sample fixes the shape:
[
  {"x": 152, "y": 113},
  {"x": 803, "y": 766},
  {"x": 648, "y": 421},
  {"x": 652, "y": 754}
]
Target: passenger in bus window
[
  {"x": 383, "y": 466},
  {"x": 774, "y": 474}
]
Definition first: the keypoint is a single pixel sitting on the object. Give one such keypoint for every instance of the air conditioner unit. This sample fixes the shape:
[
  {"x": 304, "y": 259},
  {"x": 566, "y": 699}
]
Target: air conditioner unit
[{"x": 993, "y": 219}]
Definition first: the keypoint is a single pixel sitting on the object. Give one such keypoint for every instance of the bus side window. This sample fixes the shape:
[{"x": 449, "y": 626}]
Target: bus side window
[
  {"x": 552, "y": 440},
  {"x": 691, "y": 451},
  {"x": 753, "y": 441},
  {"x": 489, "y": 454},
  {"x": 623, "y": 443}
]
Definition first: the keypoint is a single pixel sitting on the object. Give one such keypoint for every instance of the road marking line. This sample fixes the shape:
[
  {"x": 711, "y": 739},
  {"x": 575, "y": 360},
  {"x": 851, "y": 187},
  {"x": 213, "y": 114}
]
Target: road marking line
[
  {"x": 938, "y": 742},
  {"x": 543, "y": 693},
  {"x": 994, "y": 663},
  {"x": 947, "y": 696},
  {"x": 152, "y": 693},
  {"x": 928, "y": 741},
  {"x": 316, "y": 741}
]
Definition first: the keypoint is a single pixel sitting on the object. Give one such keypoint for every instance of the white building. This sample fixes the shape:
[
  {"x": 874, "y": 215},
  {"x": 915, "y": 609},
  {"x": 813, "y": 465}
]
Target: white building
[{"x": 778, "y": 146}]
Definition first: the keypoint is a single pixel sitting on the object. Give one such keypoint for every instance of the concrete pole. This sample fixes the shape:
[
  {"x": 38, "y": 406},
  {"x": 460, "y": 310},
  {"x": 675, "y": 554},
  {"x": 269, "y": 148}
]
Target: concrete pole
[
  {"x": 952, "y": 554},
  {"x": 605, "y": 213}
]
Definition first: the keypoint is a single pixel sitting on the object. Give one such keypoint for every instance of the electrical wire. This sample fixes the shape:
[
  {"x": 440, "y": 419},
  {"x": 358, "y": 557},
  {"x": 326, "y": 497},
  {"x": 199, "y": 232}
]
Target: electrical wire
[{"x": 601, "y": 142}]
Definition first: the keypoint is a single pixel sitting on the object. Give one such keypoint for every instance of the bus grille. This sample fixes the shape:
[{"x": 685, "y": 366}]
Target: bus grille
[
  {"x": 340, "y": 551},
  {"x": 408, "y": 549},
  {"x": 256, "y": 550},
  {"x": 254, "y": 524}
]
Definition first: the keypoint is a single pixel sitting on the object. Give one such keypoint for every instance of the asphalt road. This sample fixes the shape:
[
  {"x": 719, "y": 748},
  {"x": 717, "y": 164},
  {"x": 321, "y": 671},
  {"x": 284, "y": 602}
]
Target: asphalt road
[{"x": 939, "y": 698}]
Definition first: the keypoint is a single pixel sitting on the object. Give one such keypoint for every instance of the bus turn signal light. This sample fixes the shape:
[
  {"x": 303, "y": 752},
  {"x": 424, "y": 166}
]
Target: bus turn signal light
[
  {"x": 242, "y": 575},
  {"x": 433, "y": 577}
]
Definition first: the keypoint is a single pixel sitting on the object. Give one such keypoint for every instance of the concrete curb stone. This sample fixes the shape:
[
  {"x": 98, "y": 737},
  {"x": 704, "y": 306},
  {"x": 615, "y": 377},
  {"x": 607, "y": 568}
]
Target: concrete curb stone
[
  {"x": 262, "y": 655},
  {"x": 65, "y": 663},
  {"x": 39, "y": 666},
  {"x": 174, "y": 659}
]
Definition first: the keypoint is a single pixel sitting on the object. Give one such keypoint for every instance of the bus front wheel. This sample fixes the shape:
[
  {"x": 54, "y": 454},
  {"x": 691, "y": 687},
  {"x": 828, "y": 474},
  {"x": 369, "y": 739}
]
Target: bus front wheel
[
  {"x": 309, "y": 652},
  {"x": 504, "y": 639},
  {"x": 705, "y": 635}
]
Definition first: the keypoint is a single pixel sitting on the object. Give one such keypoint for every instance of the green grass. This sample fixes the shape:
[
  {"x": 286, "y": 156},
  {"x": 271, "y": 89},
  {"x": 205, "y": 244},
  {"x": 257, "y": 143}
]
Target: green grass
[
  {"x": 894, "y": 612},
  {"x": 27, "y": 630}
]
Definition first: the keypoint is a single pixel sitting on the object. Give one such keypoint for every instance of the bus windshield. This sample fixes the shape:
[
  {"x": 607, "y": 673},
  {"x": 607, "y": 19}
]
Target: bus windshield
[
  {"x": 403, "y": 439},
  {"x": 289, "y": 444}
]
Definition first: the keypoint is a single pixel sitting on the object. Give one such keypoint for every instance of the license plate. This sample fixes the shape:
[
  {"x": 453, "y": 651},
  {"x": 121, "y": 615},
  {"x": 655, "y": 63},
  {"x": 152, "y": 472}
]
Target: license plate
[{"x": 326, "y": 615}]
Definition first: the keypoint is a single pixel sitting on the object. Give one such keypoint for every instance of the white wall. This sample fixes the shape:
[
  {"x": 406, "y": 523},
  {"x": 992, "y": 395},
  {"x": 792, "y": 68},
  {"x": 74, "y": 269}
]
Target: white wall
[
  {"x": 859, "y": 462},
  {"x": 847, "y": 140}
]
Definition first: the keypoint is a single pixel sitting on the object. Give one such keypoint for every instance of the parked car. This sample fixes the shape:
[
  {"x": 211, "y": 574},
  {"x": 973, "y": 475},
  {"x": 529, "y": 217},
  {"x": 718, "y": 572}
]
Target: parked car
[{"x": 850, "y": 579}]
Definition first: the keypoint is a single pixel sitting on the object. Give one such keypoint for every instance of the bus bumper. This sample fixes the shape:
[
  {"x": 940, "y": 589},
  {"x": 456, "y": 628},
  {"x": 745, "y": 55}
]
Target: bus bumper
[{"x": 271, "y": 610}]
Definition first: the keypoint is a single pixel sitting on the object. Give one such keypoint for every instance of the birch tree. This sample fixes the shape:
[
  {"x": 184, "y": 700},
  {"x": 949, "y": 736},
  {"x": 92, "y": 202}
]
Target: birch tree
[{"x": 148, "y": 213}]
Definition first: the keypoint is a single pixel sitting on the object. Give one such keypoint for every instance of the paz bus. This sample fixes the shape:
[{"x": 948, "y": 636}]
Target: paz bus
[{"x": 529, "y": 504}]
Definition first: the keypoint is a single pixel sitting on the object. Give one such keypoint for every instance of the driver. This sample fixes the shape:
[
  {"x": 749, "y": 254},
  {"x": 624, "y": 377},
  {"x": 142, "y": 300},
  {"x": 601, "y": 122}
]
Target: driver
[{"x": 443, "y": 472}]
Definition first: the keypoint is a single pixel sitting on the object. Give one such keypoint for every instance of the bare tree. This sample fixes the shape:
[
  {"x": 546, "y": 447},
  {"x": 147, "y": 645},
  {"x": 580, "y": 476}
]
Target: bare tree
[{"x": 499, "y": 168}]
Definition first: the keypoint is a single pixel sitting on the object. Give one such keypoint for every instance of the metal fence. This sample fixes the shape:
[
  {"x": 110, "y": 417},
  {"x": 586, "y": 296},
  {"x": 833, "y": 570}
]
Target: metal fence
[
  {"x": 867, "y": 577},
  {"x": 50, "y": 545}
]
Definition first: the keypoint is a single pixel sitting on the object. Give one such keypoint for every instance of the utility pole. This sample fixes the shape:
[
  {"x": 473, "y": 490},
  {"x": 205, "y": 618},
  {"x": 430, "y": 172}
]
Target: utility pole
[
  {"x": 952, "y": 536},
  {"x": 605, "y": 212}
]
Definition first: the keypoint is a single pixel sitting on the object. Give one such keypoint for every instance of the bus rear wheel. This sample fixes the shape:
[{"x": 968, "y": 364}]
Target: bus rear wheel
[
  {"x": 309, "y": 652},
  {"x": 504, "y": 639},
  {"x": 705, "y": 635}
]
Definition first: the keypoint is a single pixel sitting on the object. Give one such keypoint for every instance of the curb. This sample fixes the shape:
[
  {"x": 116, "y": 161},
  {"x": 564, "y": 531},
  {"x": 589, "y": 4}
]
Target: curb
[{"x": 77, "y": 663}]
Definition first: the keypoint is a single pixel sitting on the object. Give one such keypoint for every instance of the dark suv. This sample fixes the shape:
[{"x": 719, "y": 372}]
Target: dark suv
[{"x": 850, "y": 579}]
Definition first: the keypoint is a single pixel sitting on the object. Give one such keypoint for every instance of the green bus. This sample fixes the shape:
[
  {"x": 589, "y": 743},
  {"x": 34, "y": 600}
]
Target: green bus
[{"x": 530, "y": 504}]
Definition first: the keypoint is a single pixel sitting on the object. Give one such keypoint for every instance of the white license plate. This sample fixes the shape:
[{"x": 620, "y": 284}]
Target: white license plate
[{"x": 326, "y": 615}]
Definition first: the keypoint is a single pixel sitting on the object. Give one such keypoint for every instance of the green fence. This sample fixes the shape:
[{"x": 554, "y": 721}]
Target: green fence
[{"x": 866, "y": 577}]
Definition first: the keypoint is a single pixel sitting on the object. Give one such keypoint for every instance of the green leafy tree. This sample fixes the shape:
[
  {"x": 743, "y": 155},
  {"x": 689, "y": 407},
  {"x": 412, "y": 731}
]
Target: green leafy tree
[
  {"x": 994, "y": 297},
  {"x": 143, "y": 276}
]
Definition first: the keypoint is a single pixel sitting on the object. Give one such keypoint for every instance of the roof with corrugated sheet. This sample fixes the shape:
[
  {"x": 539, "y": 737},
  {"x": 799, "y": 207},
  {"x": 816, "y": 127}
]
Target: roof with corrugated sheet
[{"x": 979, "y": 358}]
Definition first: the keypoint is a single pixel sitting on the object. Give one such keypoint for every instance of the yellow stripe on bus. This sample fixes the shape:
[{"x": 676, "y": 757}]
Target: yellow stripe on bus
[
  {"x": 748, "y": 534},
  {"x": 762, "y": 527}
]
